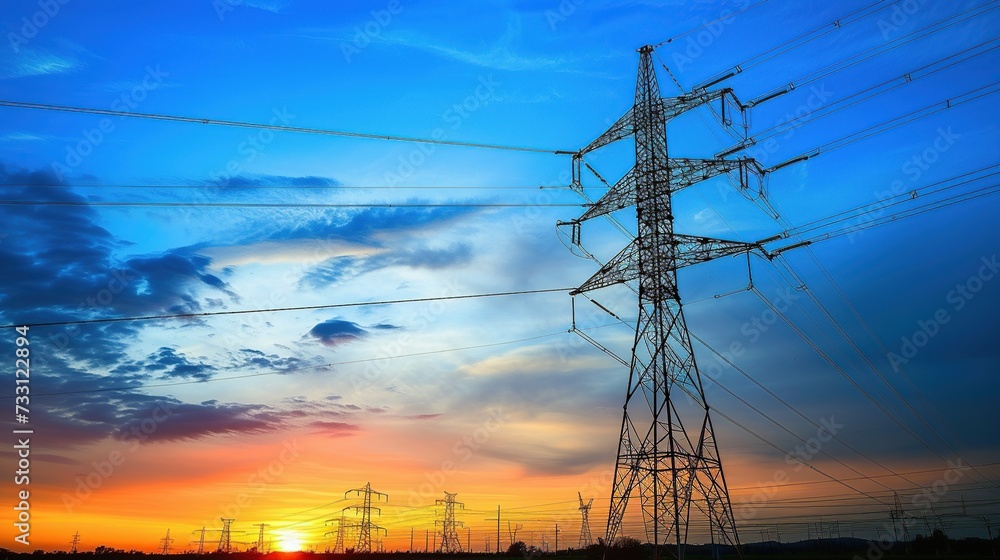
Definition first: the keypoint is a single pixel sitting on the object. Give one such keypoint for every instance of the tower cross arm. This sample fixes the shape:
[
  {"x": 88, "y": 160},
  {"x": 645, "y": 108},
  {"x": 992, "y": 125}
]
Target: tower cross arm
[
  {"x": 620, "y": 130},
  {"x": 691, "y": 249},
  {"x": 674, "y": 106},
  {"x": 684, "y": 173}
]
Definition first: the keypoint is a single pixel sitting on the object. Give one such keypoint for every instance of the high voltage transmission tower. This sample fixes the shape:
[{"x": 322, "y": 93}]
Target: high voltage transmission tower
[
  {"x": 226, "y": 538},
  {"x": 342, "y": 526},
  {"x": 450, "y": 542},
  {"x": 260, "y": 536},
  {"x": 667, "y": 452},
  {"x": 74, "y": 543},
  {"x": 365, "y": 527},
  {"x": 165, "y": 543},
  {"x": 201, "y": 540},
  {"x": 586, "y": 539}
]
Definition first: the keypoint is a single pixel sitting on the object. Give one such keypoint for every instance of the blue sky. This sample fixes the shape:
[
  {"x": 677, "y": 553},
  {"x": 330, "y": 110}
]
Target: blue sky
[{"x": 546, "y": 75}]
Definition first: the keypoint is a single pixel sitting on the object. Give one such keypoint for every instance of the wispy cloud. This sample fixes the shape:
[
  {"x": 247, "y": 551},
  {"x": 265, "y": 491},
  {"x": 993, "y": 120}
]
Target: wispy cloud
[{"x": 38, "y": 62}]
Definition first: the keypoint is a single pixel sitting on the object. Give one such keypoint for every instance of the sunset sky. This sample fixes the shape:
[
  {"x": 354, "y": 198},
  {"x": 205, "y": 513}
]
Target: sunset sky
[{"x": 148, "y": 425}]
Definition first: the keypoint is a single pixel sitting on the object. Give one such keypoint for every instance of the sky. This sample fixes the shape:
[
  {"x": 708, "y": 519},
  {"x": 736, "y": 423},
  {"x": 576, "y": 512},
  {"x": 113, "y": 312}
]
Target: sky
[{"x": 886, "y": 336}]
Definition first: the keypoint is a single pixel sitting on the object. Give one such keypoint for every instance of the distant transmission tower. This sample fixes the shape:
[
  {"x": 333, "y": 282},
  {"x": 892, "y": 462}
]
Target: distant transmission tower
[
  {"x": 74, "y": 544},
  {"x": 201, "y": 541},
  {"x": 586, "y": 539},
  {"x": 341, "y": 533},
  {"x": 260, "y": 536},
  {"x": 366, "y": 526},
  {"x": 165, "y": 543},
  {"x": 450, "y": 542},
  {"x": 226, "y": 538},
  {"x": 897, "y": 513},
  {"x": 667, "y": 453}
]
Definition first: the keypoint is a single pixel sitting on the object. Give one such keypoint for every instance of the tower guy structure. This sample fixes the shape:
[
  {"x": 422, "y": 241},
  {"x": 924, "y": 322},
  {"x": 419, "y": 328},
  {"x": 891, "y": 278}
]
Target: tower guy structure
[
  {"x": 450, "y": 542},
  {"x": 667, "y": 453},
  {"x": 365, "y": 527},
  {"x": 586, "y": 539}
]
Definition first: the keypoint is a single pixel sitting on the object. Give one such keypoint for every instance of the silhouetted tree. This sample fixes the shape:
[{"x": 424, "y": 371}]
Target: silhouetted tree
[{"x": 518, "y": 549}]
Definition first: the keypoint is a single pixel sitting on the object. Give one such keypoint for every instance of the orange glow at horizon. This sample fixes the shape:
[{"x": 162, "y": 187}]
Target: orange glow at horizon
[{"x": 288, "y": 541}]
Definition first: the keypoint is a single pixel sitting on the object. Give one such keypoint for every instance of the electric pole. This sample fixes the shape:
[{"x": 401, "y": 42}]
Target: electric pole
[
  {"x": 74, "y": 543},
  {"x": 667, "y": 452},
  {"x": 366, "y": 526},
  {"x": 450, "y": 541}
]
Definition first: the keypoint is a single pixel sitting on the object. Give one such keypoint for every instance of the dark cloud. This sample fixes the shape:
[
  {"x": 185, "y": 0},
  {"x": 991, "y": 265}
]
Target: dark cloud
[
  {"x": 339, "y": 269},
  {"x": 250, "y": 357},
  {"x": 424, "y": 416},
  {"x": 362, "y": 225},
  {"x": 265, "y": 180},
  {"x": 335, "y": 332},
  {"x": 167, "y": 363},
  {"x": 334, "y": 429},
  {"x": 66, "y": 269}
]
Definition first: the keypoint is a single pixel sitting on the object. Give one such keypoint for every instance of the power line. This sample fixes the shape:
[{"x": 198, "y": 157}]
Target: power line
[
  {"x": 265, "y": 126},
  {"x": 708, "y": 23},
  {"x": 293, "y": 369},
  {"x": 856, "y": 98},
  {"x": 287, "y": 204},
  {"x": 802, "y": 39},
  {"x": 868, "y": 54},
  {"x": 284, "y": 186},
  {"x": 278, "y": 309},
  {"x": 879, "y": 128}
]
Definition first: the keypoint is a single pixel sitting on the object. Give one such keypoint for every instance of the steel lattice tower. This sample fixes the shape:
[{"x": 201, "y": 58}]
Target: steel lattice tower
[
  {"x": 260, "y": 536},
  {"x": 74, "y": 543},
  {"x": 450, "y": 542},
  {"x": 165, "y": 543},
  {"x": 586, "y": 539},
  {"x": 667, "y": 453},
  {"x": 366, "y": 526},
  {"x": 226, "y": 538}
]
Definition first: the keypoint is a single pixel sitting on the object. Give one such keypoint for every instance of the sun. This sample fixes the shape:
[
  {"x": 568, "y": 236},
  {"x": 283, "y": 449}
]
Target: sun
[{"x": 289, "y": 541}]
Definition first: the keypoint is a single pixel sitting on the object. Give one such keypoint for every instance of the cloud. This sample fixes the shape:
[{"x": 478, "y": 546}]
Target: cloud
[
  {"x": 334, "y": 429},
  {"x": 167, "y": 363},
  {"x": 69, "y": 268},
  {"x": 335, "y": 332},
  {"x": 37, "y": 62}
]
